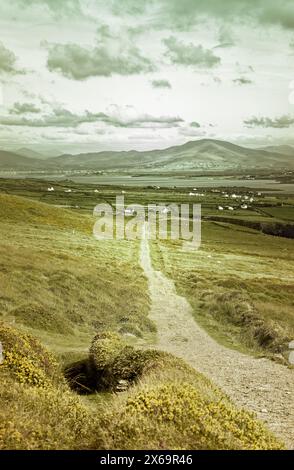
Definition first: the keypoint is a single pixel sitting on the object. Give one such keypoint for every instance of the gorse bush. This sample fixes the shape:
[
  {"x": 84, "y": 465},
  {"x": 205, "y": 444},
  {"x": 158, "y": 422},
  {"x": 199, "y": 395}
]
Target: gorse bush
[
  {"x": 170, "y": 407},
  {"x": 37, "y": 409},
  {"x": 25, "y": 370},
  {"x": 25, "y": 357},
  {"x": 191, "y": 420},
  {"x": 174, "y": 407},
  {"x": 33, "y": 418}
]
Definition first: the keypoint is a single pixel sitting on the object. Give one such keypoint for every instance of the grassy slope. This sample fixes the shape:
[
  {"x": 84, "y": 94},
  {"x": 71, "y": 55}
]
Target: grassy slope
[
  {"x": 59, "y": 282},
  {"x": 240, "y": 284},
  {"x": 62, "y": 286}
]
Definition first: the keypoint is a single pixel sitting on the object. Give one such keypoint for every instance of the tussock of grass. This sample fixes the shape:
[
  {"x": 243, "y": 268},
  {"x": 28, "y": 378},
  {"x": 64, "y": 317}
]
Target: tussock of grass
[
  {"x": 255, "y": 331},
  {"x": 111, "y": 362}
]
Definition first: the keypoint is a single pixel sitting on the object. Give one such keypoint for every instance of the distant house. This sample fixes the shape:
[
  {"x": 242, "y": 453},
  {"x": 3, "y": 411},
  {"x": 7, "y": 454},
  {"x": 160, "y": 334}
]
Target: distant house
[
  {"x": 68, "y": 191},
  {"x": 129, "y": 212},
  {"x": 244, "y": 206},
  {"x": 50, "y": 189},
  {"x": 230, "y": 208},
  {"x": 220, "y": 208}
]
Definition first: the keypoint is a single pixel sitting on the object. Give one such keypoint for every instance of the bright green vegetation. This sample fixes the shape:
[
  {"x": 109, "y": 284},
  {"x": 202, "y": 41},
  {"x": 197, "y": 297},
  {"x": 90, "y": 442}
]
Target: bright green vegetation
[
  {"x": 240, "y": 285},
  {"x": 69, "y": 301}
]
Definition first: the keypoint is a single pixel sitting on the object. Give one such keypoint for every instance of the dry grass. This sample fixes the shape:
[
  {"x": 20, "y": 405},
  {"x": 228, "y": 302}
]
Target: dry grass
[
  {"x": 57, "y": 279},
  {"x": 171, "y": 407},
  {"x": 63, "y": 286},
  {"x": 240, "y": 285}
]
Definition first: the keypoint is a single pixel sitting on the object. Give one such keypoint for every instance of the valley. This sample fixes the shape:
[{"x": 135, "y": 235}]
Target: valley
[{"x": 61, "y": 287}]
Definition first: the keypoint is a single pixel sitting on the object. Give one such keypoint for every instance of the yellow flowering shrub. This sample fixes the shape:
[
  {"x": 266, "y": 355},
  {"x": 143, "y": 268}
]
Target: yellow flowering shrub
[
  {"x": 27, "y": 358},
  {"x": 25, "y": 370},
  {"x": 51, "y": 418},
  {"x": 178, "y": 416}
]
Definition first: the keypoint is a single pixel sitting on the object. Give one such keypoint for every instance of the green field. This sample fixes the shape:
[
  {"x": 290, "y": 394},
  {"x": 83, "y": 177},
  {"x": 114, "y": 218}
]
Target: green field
[{"x": 60, "y": 287}]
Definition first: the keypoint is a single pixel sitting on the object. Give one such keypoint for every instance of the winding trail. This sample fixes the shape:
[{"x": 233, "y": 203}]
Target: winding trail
[{"x": 259, "y": 385}]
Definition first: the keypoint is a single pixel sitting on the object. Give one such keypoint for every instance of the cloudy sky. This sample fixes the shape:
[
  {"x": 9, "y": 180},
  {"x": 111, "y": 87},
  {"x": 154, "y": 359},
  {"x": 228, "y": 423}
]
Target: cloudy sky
[{"x": 84, "y": 75}]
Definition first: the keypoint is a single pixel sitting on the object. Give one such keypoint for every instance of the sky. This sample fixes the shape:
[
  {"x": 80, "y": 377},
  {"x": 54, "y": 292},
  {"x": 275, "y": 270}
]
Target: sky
[{"x": 90, "y": 75}]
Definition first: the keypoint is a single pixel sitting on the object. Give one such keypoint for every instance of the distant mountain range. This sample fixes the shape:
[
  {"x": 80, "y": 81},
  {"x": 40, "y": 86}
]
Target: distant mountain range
[
  {"x": 31, "y": 154},
  {"x": 14, "y": 161},
  {"x": 204, "y": 154},
  {"x": 283, "y": 149}
]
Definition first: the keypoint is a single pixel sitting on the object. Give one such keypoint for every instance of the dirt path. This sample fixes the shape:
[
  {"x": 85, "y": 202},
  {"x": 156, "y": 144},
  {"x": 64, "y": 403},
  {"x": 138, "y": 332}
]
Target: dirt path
[{"x": 259, "y": 385}]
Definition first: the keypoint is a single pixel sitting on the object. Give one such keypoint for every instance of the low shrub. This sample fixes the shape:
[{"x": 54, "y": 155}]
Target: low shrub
[
  {"x": 26, "y": 358},
  {"x": 178, "y": 416},
  {"x": 111, "y": 362}
]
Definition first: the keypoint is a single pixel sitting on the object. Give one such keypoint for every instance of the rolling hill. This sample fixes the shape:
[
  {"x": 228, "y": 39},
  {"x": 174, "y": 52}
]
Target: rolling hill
[
  {"x": 204, "y": 154},
  {"x": 201, "y": 154},
  {"x": 14, "y": 161},
  {"x": 26, "y": 152},
  {"x": 282, "y": 149}
]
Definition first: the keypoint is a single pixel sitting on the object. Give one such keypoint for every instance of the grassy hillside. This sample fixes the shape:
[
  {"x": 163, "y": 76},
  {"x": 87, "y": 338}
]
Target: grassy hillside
[
  {"x": 240, "y": 284},
  {"x": 60, "y": 285},
  {"x": 58, "y": 281},
  {"x": 15, "y": 161}
]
